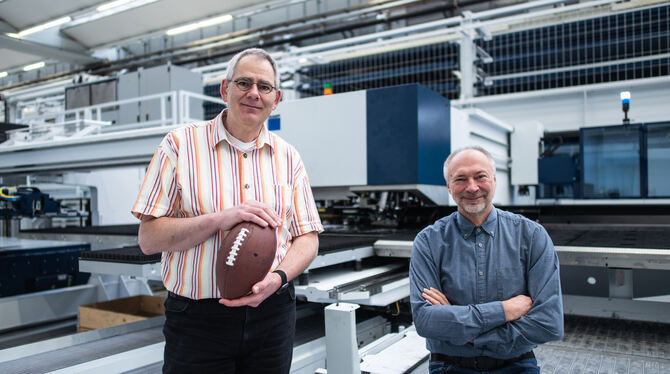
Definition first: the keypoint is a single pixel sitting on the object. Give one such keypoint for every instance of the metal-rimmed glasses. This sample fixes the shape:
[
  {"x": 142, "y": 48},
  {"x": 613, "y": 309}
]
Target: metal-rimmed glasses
[{"x": 245, "y": 84}]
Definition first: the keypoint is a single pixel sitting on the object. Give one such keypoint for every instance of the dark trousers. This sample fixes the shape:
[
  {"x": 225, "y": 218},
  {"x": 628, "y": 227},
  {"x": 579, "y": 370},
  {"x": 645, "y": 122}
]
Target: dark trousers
[{"x": 203, "y": 336}]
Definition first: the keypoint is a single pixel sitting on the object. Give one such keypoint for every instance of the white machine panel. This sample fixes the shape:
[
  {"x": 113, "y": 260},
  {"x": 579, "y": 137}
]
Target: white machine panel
[
  {"x": 471, "y": 126},
  {"x": 524, "y": 146},
  {"x": 335, "y": 139}
]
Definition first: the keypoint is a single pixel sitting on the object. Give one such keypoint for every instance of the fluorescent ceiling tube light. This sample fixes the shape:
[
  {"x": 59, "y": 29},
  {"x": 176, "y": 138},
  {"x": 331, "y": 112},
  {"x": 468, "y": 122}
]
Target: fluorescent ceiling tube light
[
  {"x": 34, "y": 66},
  {"x": 108, "y": 9},
  {"x": 198, "y": 25},
  {"x": 112, "y": 4},
  {"x": 44, "y": 26},
  {"x": 3, "y": 74}
]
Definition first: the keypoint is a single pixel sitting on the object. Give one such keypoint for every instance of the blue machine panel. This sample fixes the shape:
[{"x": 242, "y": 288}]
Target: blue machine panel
[
  {"x": 37, "y": 265},
  {"x": 558, "y": 169},
  {"x": 611, "y": 161},
  {"x": 274, "y": 123},
  {"x": 408, "y": 135}
]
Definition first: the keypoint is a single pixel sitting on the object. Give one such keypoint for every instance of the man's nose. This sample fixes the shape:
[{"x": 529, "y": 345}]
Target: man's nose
[
  {"x": 253, "y": 91},
  {"x": 471, "y": 186}
]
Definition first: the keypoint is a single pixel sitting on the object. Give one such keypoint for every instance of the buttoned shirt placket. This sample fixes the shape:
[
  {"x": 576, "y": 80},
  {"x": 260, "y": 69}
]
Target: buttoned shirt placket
[
  {"x": 480, "y": 250},
  {"x": 248, "y": 182}
]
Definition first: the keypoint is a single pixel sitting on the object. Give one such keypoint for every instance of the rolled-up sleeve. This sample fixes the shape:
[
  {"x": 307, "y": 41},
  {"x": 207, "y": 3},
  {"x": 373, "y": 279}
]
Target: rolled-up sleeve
[
  {"x": 159, "y": 193},
  {"x": 305, "y": 216}
]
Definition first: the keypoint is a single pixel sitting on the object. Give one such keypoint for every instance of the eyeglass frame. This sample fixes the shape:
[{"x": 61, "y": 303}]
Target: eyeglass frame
[{"x": 251, "y": 83}]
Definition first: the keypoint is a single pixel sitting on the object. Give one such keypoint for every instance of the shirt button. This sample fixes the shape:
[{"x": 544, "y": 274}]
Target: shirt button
[
  {"x": 479, "y": 244},
  {"x": 246, "y": 186},
  {"x": 481, "y": 273},
  {"x": 244, "y": 155}
]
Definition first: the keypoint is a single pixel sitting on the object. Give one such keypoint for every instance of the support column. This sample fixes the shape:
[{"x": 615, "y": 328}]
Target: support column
[{"x": 341, "y": 343}]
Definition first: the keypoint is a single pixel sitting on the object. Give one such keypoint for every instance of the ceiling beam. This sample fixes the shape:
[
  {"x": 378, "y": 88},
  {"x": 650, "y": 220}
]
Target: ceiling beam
[
  {"x": 6, "y": 27},
  {"x": 46, "y": 51}
]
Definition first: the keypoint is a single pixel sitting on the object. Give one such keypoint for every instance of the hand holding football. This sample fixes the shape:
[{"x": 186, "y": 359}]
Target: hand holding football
[{"x": 245, "y": 257}]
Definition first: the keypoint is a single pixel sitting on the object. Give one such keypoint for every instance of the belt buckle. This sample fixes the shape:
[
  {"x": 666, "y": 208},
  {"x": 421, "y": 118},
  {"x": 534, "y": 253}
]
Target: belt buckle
[
  {"x": 475, "y": 364},
  {"x": 484, "y": 364}
]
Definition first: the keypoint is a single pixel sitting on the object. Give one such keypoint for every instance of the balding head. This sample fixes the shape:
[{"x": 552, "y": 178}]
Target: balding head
[{"x": 468, "y": 148}]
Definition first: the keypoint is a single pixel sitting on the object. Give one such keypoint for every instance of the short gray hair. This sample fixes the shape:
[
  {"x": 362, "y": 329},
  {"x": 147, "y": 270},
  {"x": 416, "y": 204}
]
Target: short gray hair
[
  {"x": 232, "y": 64},
  {"x": 468, "y": 148}
]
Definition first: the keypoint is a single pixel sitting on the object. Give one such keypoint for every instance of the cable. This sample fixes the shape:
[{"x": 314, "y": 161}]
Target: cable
[
  {"x": 6, "y": 196},
  {"x": 397, "y": 307}
]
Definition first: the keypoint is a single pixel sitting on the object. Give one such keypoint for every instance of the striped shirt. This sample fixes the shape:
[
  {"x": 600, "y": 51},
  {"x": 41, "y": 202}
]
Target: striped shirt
[{"x": 197, "y": 170}]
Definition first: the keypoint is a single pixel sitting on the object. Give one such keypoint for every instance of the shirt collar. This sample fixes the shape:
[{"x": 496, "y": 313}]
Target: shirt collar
[
  {"x": 467, "y": 228},
  {"x": 218, "y": 132}
]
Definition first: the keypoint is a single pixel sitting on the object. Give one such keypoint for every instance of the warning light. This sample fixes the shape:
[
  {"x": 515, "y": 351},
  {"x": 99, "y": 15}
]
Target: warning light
[{"x": 327, "y": 88}]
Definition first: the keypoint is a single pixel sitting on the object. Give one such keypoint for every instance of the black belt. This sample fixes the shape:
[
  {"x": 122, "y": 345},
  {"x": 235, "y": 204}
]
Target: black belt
[
  {"x": 481, "y": 363},
  {"x": 192, "y": 301}
]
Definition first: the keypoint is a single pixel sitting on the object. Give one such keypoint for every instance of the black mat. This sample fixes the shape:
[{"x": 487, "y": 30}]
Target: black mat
[{"x": 129, "y": 255}]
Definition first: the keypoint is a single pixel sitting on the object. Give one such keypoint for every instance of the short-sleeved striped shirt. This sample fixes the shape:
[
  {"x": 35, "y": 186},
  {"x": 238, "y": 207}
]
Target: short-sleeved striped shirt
[{"x": 196, "y": 170}]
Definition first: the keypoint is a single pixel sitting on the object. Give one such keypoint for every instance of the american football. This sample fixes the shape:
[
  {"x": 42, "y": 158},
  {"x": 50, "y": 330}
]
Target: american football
[{"x": 245, "y": 257}]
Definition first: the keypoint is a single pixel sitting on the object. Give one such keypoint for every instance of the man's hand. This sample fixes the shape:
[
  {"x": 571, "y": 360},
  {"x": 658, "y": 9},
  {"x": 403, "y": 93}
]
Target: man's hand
[
  {"x": 435, "y": 297},
  {"x": 169, "y": 234},
  {"x": 516, "y": 307},
  {"x": 259, "y": 292},
  {"x": 252, "y": 211}
]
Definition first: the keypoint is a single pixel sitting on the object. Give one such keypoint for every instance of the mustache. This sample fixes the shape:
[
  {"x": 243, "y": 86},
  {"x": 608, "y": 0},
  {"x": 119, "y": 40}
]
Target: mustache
[{"x": 472, "y": 196}]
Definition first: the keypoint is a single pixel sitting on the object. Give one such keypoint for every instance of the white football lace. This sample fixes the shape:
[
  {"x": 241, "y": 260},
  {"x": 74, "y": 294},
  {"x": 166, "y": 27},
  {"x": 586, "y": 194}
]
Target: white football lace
[{"x": 236, "y": 246}]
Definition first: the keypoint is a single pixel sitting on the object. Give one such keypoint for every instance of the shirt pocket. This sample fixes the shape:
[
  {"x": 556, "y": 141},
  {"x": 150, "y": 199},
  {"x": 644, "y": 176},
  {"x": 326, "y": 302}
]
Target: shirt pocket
[{"x": 511, "y": 282}]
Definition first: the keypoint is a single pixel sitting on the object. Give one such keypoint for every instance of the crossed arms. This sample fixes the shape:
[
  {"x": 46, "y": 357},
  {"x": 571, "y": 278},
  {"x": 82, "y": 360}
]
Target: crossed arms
[{"x": 501, "y": 326}]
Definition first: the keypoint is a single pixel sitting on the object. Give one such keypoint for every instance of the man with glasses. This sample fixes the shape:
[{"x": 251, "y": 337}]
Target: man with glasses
[
  {"x": 484, "y": 283},
  {"x": 204, "y": 179}
]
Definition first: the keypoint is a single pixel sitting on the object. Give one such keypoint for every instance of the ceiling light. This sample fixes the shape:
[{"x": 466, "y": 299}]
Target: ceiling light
[
  {"x": 198, "y": 25},
  {"x": 112, "y": 4},
  {"x": 34, "y": 66},
  {"x": 3, "y": 74},
  {"x": 12, "y": 35},
  {"x": 108, "y": 9},
  {"x": 44, "y": 26}
]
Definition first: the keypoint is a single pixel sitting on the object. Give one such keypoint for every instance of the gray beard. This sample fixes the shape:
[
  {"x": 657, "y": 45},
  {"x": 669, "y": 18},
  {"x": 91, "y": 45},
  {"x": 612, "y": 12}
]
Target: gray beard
[{"x": 475, "y": 209}]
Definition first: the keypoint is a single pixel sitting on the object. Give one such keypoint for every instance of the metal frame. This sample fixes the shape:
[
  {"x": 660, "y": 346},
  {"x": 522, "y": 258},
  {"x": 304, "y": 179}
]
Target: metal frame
[
  {"x": 44, "y": 306},
  {"x": 149, "y": 271}
]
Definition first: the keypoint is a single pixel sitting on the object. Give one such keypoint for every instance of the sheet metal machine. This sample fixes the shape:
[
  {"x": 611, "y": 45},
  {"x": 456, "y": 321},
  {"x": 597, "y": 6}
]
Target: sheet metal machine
[
  {"x": 367, "y": 265},
  {"x": 361, "y": 272}
]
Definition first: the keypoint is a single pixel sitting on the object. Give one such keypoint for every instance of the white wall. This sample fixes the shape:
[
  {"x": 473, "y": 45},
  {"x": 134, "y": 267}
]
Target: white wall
[{"x": 117, "y": 190}]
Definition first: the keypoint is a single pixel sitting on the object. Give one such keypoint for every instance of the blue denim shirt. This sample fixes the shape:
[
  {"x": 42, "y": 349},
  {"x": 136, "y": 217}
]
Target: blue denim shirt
[{"x": 477, "y": 268}]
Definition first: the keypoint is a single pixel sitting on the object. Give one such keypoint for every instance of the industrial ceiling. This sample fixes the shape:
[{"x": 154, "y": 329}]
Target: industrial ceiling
[{"x": 75, "y": 41}]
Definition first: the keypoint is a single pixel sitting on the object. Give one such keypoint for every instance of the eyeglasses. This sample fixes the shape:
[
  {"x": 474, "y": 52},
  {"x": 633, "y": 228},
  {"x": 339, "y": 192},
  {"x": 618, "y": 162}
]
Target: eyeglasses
[{"x": 245, "y": 84}]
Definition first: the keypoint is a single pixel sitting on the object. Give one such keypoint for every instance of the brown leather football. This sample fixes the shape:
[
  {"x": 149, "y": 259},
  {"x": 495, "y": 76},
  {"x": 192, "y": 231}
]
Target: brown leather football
[{"x": 244, "y": 259}]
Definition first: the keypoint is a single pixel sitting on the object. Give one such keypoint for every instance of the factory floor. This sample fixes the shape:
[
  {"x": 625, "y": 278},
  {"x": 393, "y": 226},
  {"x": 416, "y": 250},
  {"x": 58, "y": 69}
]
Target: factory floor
[
  {"x": 599, "y": 346},
  {"x": 603, "y": 346},
  {"x": 590, "y": 345}
]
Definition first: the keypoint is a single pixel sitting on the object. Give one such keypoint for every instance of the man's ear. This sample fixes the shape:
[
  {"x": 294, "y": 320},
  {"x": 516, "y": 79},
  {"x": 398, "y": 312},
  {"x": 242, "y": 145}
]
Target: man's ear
[
  {"x": 223, "y": 90},
  {"x": 277, "y": 99}
]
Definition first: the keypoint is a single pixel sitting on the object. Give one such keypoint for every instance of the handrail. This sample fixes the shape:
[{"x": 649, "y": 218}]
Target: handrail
[{"x": 174, "y": 109}]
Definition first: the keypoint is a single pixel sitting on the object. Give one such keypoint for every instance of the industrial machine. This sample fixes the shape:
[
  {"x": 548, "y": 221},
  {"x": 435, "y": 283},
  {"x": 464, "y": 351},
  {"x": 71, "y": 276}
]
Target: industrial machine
[
  {"x": 374, "y": 158},
  {"x": 17, "y": 202}
]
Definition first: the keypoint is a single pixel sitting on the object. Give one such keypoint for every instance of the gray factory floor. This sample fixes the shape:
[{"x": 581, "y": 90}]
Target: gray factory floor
[
  {"x": 590, "y": 345},
  {"x": 600, "y": 346},
  {"x": 593, "y": 345}
]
